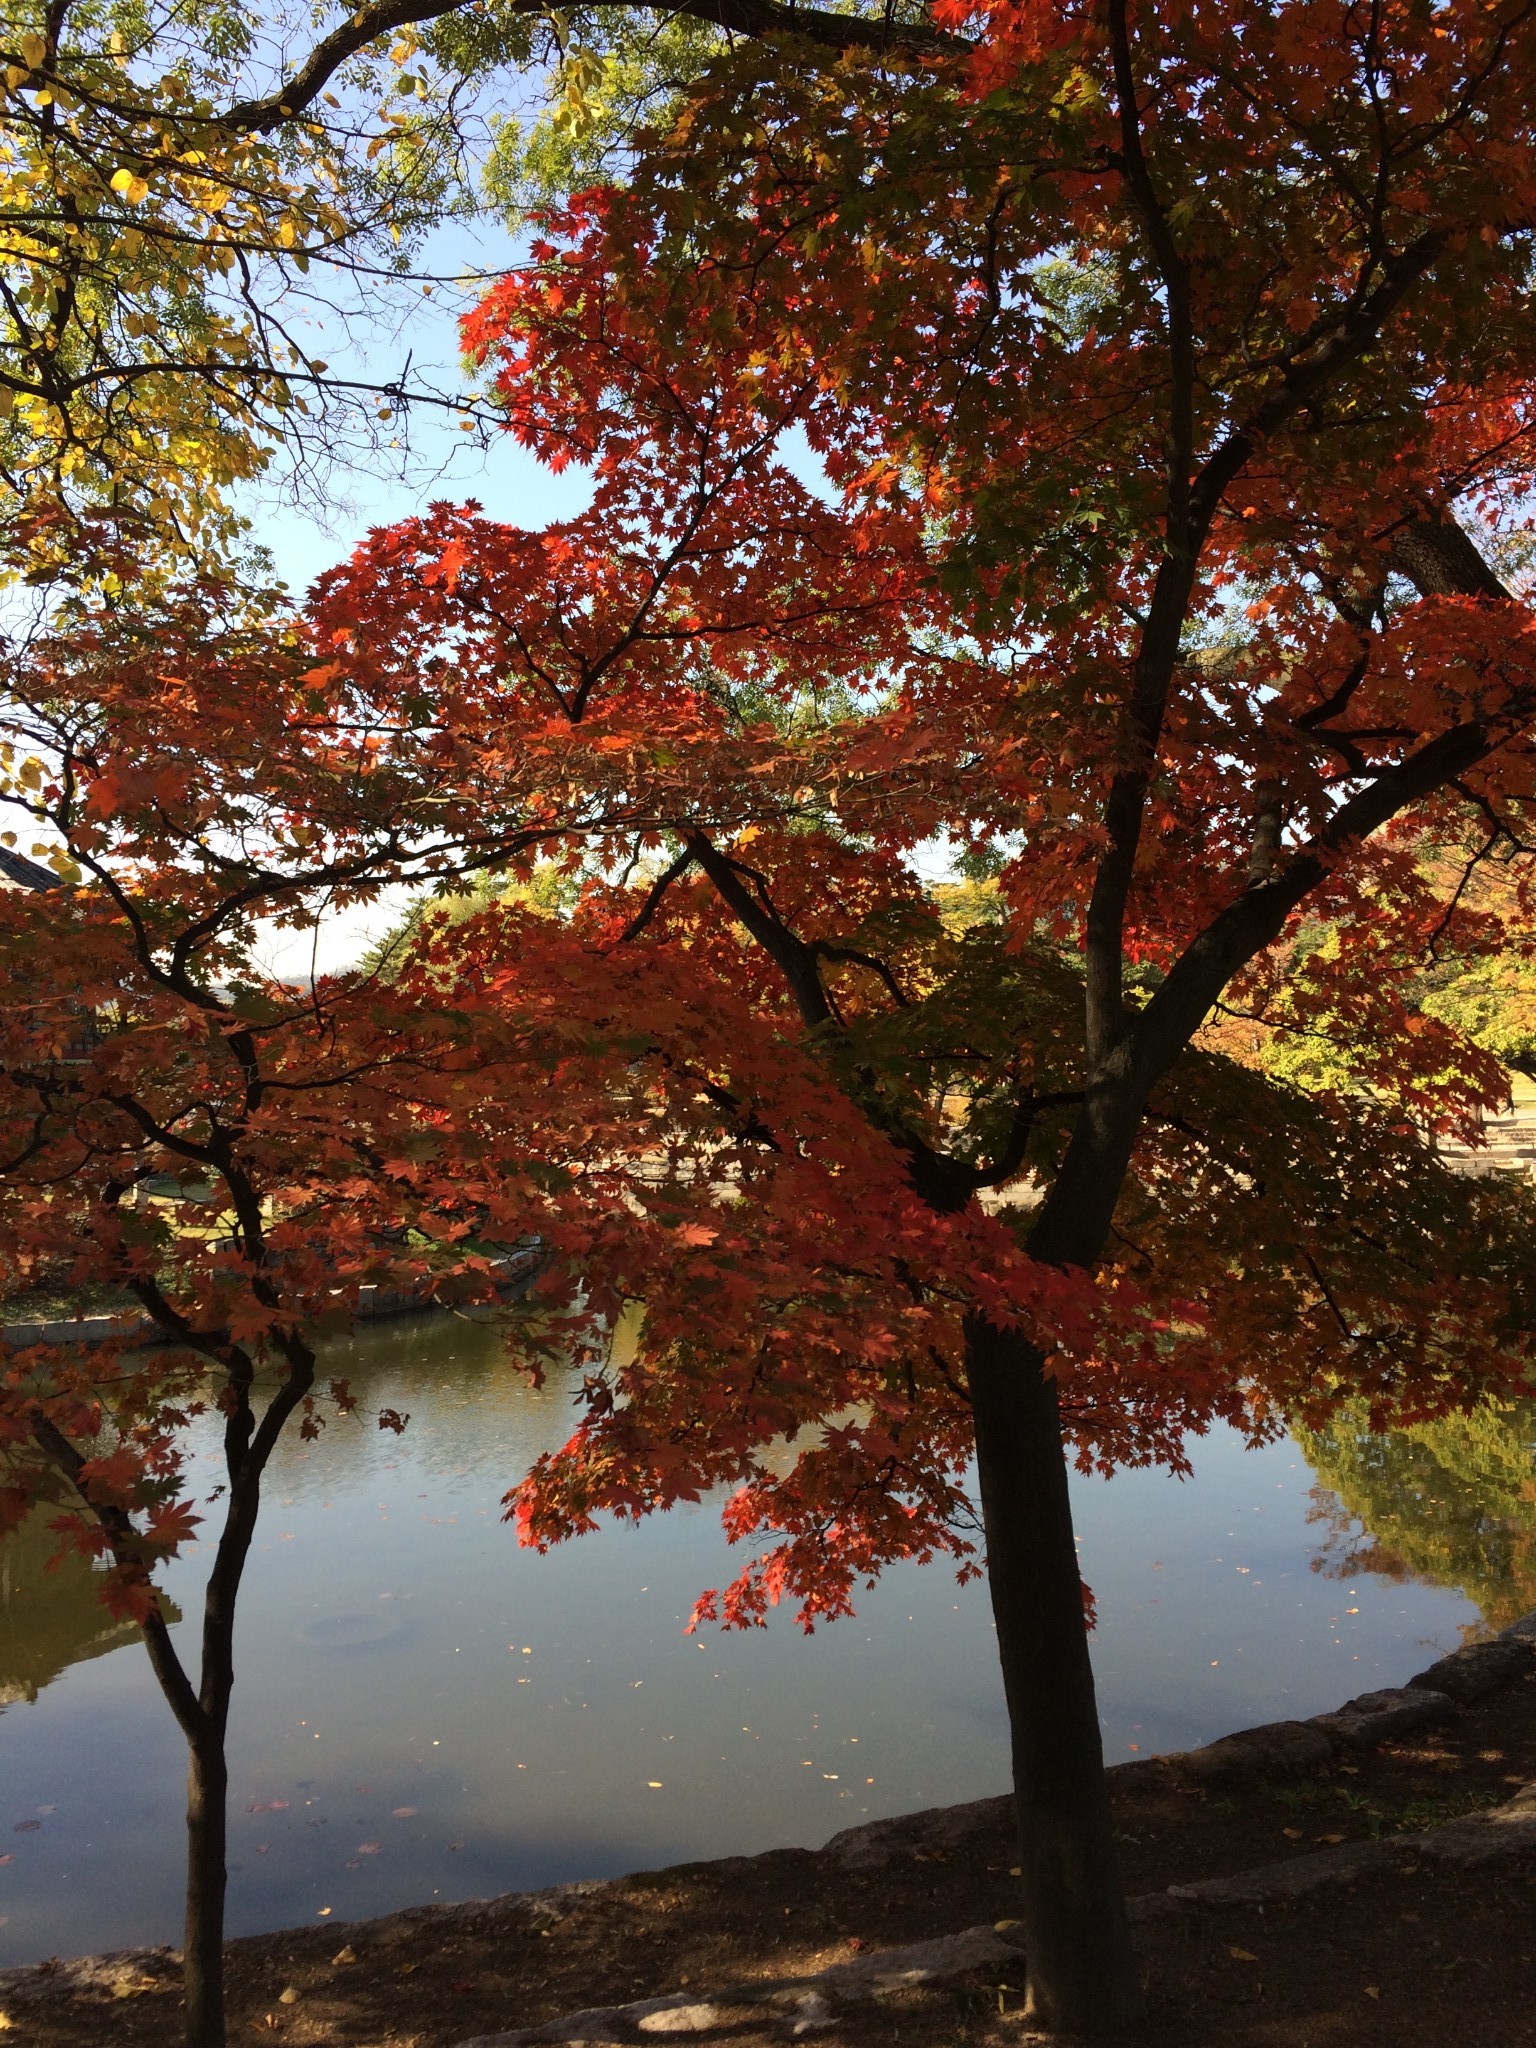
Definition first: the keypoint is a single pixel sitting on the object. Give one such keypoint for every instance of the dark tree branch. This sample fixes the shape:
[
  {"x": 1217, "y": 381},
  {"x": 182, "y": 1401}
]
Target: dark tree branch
[
  {"x": 658, "y": 889},
  {"x": 795, "y": 960},
  {"x": 752, "y": 18},
  {"x": 1078, "y": 1211},
  {"x": 124, "y": 1543},
  {"x": 854, "y": 957}
]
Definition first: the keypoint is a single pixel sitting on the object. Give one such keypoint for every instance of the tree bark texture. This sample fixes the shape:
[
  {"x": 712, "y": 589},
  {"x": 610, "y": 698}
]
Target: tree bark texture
[
  {"x": 1081, "y": 1972},
  {"x": 203, "y": 1956}
]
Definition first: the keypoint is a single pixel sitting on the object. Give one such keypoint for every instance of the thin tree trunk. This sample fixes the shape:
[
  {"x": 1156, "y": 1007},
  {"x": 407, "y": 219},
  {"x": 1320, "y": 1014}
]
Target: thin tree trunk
[
  {"x": 1081, "y": 1972},
  {"x": 207, "y": 1760},
  {"x": 203, "y": 1719},
  {"x": 203, "y": 1951}
]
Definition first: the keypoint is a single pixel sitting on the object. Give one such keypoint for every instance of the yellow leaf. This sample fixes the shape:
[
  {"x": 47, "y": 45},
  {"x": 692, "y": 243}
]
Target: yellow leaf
[
  {"x": 1330, "y": 1838},
  {"x": 1242, "y": 1955},
  {"x": 34, "y": 49},
  {"x": 1373, "y": 1991}
]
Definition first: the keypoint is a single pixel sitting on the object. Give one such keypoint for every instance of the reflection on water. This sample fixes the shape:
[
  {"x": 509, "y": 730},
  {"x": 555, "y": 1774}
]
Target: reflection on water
[
  {"x": 1452, "y": 1501},
  {"x": 422, "y": 1710},
  {"x": 50, "y": 1615}
]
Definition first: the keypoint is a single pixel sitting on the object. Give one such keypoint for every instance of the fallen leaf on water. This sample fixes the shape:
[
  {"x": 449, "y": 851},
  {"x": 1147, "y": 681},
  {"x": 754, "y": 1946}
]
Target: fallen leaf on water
[
  {"x": 26, "y": 1827},
  {"x": 370, "y": 1848},
  {"x": 1242, "y": 1955},
  {"x": 403, "y": 1813}
]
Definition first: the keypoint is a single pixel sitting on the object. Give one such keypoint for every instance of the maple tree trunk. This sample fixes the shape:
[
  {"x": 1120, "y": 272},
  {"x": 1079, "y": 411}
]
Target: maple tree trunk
[
  {"x": 204, "y": 1719},
  {"x": 207, "y": 1765},
  {"x": 1081, "y": 1972},
  {"x": 203, "y": 1949}
]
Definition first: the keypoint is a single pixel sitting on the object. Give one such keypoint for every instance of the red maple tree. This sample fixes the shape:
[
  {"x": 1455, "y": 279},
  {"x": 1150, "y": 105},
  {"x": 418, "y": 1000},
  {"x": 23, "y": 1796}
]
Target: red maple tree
[{"x": 1161, "y": 369}]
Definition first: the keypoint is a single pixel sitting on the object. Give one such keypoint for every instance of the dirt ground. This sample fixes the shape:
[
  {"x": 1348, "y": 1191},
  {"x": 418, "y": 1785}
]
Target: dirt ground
[{"x": 1427, "y": 1958}]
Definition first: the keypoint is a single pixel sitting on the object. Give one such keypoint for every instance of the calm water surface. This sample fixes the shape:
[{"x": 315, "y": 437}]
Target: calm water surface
[{"x": 423, "y": 1710}]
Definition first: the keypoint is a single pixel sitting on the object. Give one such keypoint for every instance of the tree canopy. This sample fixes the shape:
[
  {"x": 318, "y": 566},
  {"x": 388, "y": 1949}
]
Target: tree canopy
[{"x": 1089, "y": 447}]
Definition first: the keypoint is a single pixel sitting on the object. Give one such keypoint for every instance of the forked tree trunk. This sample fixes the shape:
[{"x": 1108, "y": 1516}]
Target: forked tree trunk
[{"x": 1080, "y": 1969}]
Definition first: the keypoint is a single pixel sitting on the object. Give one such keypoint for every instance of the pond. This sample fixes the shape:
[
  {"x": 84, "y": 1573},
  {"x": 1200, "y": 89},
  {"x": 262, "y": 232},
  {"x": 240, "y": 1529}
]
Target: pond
[{"x": 424, "y": 1711}]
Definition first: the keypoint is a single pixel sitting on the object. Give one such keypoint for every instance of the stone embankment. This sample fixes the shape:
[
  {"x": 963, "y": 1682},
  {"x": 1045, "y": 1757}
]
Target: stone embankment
[
  {"x": 795, "y": 2007},
  {"x": 516, "y": 1270}
]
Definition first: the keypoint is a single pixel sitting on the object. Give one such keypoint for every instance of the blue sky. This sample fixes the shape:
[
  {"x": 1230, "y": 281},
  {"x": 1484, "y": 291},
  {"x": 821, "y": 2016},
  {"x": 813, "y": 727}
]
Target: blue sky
[
  {"x": 308, "y": 528},
  {"x": 306, "y": 531}
]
